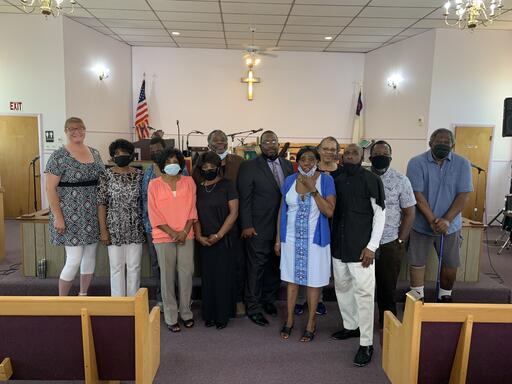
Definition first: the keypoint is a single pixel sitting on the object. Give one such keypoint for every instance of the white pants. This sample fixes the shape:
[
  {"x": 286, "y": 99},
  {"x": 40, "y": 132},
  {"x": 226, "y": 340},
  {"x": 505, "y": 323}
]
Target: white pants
[
  {"x": 128, "y": 255},
  {"x": 355, "y": 291},
  {"x": 80, "y": 256}
]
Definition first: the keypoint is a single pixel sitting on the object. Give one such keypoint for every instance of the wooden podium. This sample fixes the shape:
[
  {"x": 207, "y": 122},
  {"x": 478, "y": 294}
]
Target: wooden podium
[{"x": 2, "y": 225}]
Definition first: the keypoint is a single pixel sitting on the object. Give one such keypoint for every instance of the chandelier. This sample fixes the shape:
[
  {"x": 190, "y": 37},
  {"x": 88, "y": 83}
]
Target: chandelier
[
  {"x": 470, "y": 13},
  {"x": 48, "y": 7}
]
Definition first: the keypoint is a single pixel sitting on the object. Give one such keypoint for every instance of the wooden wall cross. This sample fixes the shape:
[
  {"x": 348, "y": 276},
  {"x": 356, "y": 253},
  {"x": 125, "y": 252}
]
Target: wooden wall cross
[{"x": 250, "y": 80}]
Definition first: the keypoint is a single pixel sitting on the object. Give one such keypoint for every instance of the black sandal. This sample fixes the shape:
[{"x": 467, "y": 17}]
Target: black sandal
[
  {"x": 307, "y": 336},
  {"x": 188, "y": 323},
  {"x": 174, "y": 327},
  {"x": 286, "y": 331}
]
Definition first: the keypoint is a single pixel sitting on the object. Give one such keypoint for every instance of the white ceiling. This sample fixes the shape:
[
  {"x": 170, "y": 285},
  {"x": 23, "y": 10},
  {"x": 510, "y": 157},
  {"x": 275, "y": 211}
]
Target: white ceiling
[{"x": 290, "y": 25}]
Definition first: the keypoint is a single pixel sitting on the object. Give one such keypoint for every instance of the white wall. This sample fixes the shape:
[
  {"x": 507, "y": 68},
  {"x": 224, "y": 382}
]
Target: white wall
[
  {"x": 105, "y": 106},
  {"x": 31, "y": 71},
  {"x": 472, "y": 76},
  {"x": 302, "y": 97},
  {"x": 392, "y": 114}
]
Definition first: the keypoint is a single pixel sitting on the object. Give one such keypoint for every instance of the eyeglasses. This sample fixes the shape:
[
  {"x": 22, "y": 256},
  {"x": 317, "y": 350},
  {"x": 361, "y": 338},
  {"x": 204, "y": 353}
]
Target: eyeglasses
[
  {"x": 267, "y": 142},
  {"x": 328, "y": 150},
  {"x": 76, "y": 129}
]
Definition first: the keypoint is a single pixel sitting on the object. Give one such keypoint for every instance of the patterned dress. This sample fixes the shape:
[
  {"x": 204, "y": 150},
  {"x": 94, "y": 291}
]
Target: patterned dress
[
  {"x": 302, "y": 261},
  {"x": 78, "y": 203},
  {"x": 121, "y": 193}
]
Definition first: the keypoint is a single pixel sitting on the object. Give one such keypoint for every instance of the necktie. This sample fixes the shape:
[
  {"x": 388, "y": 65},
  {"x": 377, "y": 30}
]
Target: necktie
[{"x": 275, "y": 172}]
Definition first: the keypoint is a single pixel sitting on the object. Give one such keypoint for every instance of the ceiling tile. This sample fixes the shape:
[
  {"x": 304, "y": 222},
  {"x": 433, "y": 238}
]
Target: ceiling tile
[
  {"x": 185, "y": 6},
  {"x": 151, "y": 44},
  {"x": 184, "y": 26},
  {"x": 407, "y": 3},
  {"x": 326, "y": 31},
  {"x": 506, "y": 16},
  {"x": 412, "y": 31},
  {"x": 77, "y": 12},
  {"x": 202, "y": 40},
  {"x": 381, "y": 22},
  {"x": 294, "y": 43},
  {"x": 131, "y": 23},
  {"x": 259, "y": 43},
  {"x": 254, "y": 19},
  {"x": 6, "y": 8},
  {"x": 363, "y": 38},
  {"x": 304, "y": 49},
  {"x": 372, "y": 31},
  {"x": 499, "y": 25},
  {"x": 104, "y": 30},
  {"x": 189, "y": 16},
  {"x": 89, "y": 21},
  {"x": 430, "y": 23},
  {"x": 256, "y": 9},
  {"x": 347, "y": 50},
  {"x": 355, "y": 45},
  {"x": 325, "y": 10},
  {"x": 114, "y": 4},
  {"x": 332, "y": 2},
  {"x": 248, "y": 35},
  {"x": 303, "y": 37},
  {"x": 396, "y": 39},
  {"x": 396, "y": 12},
  {"x": 320, "y": 21},
  {"x": 141, "y": 31},
  {"x": 258, "y": 1},
  {"x": 213, "y": 34},
  {"x": 154, "y": 39},
  {"x": 203, "y": 46},
  {"x": 259, "y": 27},
  {"x": 123, "y": 14}
]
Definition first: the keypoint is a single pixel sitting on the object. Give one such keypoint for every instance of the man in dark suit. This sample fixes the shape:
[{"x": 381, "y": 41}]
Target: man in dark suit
[{"x": 259, "y": 186}]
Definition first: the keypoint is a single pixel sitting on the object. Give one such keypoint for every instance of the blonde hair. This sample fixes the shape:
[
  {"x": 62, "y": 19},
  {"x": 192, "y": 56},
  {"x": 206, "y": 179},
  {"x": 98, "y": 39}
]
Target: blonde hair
[{"x": 72, "y": 120}]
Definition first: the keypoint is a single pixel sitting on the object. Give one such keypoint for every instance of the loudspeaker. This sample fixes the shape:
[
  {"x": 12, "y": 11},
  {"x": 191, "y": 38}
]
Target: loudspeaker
[{"x": 507, "y": 117}]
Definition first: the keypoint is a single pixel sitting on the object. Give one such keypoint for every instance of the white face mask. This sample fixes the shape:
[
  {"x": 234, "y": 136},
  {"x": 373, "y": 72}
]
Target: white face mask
[
  {"x": 223, "y": 155},
  {"x": 172, "y": 169},
  {"x": 308, "y": 174}
]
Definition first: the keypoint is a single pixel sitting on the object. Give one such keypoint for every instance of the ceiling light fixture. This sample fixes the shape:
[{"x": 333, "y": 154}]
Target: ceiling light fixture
[
  {"x": 175, "y": 33},
  {"x": 395, "y": 80},
  {"x": 49, "y": 7},
  {"x": 471, "y": 13},
  {"x": 102, "y": 72},
  {"x": 328, "y": 38}
]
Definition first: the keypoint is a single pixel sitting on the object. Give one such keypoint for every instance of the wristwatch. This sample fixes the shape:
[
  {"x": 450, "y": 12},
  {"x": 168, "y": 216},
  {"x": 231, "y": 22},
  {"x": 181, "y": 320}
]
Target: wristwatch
[{"x": 314, "y": 193}]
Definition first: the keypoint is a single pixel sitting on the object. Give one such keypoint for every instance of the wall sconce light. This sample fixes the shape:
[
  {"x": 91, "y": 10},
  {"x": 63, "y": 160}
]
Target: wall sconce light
[
  {"x": 102, "y": 72},
  {"x": 395, "y": 80}
]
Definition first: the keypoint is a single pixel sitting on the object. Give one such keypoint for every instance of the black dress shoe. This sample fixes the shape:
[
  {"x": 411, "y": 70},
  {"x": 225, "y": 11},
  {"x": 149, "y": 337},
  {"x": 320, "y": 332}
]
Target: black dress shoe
[
  {"x": 221, "y": 325},
  {"x": 445, "y": 299},
  {"x": 346, "y": 334},
  {"x": 363, "y": 356},
  {"x": 270, "y": 309},
  {"x": 209, "y": 323},
  {"x": 259, "y": 319}
]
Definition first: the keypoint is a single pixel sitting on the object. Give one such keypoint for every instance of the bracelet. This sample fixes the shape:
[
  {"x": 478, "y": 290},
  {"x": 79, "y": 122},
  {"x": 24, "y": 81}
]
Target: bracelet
[{"x": 216, "y": 236}]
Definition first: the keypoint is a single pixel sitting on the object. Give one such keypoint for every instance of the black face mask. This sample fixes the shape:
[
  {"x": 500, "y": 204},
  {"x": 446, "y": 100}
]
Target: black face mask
[
  {"x": 122, "y": 160},
  {"x": 210, "y": 174},
  {"x": 155, "y": 156},
  {"x": 380, "y": 164},
  {"x": 350, "y": 168},
  {"x": 271, "y": 158},
  {"x": 441, "y": 151}
]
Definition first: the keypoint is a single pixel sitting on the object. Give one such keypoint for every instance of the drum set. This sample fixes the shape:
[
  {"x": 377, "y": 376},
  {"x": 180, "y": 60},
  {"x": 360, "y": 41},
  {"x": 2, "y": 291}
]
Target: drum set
[{"x": 506, "y": 223}]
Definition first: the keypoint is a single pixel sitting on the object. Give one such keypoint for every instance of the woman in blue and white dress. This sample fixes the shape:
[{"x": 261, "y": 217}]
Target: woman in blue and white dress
[{"x": 303, "y": 236}]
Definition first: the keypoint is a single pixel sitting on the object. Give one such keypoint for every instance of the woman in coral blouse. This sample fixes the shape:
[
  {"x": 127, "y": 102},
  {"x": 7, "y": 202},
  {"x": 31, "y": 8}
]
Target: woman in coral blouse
[{"x": 172, "y": 213}]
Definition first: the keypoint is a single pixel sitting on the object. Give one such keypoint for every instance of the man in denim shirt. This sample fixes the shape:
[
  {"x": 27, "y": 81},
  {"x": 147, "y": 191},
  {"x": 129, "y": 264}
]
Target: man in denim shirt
[{"x": 441, "y": 181}]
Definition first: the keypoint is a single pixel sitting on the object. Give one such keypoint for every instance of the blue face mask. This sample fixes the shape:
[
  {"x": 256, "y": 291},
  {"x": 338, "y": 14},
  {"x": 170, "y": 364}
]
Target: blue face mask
[
  {"x": 223, "y": 155},
  {"x": 308, "y": 174},
  {"x": 172, "y": 169}
]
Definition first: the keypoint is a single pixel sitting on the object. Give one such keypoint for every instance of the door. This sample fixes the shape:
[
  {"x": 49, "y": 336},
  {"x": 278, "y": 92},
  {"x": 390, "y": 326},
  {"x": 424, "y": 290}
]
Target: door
[
  {"x": 19, "y": 146},
  {"x": 474, "y": 143}
]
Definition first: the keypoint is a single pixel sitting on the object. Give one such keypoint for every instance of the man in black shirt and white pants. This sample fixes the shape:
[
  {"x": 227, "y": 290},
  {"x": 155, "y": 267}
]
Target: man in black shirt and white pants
[{"x": 358, "y": 223}]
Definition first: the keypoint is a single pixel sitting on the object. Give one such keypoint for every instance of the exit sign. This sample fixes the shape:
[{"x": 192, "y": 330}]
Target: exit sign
[{"x": 15, "y": 105}]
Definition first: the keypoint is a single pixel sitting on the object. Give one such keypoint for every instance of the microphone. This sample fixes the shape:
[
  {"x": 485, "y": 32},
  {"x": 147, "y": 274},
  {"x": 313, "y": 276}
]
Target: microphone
[
  {"x": 256, "y": 130},
  {"x": 201, "y": 133},
  {"x": 283, "y": 151},
  {"x": 477, "y": 167},
  {"x": 34, "y": 160}
]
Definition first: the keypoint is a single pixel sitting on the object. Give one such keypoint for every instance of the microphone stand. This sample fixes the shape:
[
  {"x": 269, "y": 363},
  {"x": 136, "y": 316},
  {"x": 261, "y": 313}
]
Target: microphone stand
[
  {"x": 250, "y": 132},
  {"x": 179, "y": 143},
  {"x": 33, "y": 165},
  {"x": 475, "y": 209}
]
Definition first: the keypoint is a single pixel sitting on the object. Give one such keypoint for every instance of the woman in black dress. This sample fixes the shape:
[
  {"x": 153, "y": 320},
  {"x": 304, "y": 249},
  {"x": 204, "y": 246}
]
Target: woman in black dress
[{"x": 217, "y": 208}]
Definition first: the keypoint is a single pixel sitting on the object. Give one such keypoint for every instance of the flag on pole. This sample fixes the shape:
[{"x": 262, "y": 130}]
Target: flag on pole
[
  {"x": 142, "y": 114},
  {"x": 358, "y": 129}
]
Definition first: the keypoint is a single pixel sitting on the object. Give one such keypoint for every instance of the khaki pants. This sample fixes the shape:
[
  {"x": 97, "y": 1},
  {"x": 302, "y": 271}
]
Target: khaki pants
[{"x": 176, "y": 261}]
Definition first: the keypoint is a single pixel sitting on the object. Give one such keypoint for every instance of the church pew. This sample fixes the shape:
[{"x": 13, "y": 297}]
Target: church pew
[
  {"x": 95, "y": 339},
  {"x": 448, "y": 343}
]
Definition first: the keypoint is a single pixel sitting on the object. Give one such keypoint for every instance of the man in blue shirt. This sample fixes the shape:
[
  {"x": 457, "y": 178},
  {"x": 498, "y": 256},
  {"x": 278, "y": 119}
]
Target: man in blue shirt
[{"x": 441, "y": 181}]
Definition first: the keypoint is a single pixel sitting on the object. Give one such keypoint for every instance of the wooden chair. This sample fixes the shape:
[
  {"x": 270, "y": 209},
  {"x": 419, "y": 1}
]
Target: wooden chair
[
  {"x": 79, "y": 338},
  {"x": 448, "y": 343}
]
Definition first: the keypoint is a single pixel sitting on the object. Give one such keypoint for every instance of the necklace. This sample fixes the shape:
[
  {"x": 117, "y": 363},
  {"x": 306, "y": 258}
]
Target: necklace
[{"x": 211, "y": 189}]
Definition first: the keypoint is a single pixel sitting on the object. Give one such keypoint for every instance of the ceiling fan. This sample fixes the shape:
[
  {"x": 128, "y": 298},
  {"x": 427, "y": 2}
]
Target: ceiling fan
[{"x": 252, "y": 51}]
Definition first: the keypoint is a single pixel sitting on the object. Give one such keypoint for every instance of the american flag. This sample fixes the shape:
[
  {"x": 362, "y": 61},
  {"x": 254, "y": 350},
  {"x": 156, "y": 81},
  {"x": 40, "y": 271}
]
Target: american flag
[{"x": 142, "y": 114}]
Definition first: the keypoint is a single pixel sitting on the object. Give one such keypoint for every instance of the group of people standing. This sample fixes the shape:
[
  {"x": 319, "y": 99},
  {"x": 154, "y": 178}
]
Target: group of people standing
[{"x": 242, "y": 215}]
